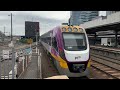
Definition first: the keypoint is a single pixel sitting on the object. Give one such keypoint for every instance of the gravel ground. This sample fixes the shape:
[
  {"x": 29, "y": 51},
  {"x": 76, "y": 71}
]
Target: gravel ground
[
  {"x": 48, "y": 69},
  {"x": 31, "y": 71}
]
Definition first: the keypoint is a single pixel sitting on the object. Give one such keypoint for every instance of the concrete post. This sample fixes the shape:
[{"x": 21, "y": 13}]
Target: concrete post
[
  {"x": 23, "y": 64},
  {"x": 40, "y": 66},
  {"x": 13, "y": 62}
]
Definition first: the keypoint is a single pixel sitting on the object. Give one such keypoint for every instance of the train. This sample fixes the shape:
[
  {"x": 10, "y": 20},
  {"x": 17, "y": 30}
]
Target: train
[{"x": 69, "y": 48}]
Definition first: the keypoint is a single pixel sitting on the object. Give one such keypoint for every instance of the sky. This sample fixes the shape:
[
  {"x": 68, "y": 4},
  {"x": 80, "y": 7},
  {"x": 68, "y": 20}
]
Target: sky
[{"x": 47, "y": 19}]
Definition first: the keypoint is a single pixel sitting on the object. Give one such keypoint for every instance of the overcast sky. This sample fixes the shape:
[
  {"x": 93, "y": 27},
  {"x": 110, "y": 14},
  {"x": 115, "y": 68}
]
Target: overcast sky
[{"x": 47, "y": 19}]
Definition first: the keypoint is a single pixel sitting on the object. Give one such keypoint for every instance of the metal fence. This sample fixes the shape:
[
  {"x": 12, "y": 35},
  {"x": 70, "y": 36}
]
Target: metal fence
[
  {"x": 22, "y": 64},
  {"x": 5, "y": 67},
  {"x": 22, "y": 59}
]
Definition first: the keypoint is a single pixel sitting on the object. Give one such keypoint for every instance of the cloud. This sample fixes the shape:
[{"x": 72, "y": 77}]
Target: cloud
[
  {"x": 47, "y": 19},
  {"x": 57, "y": 15}
]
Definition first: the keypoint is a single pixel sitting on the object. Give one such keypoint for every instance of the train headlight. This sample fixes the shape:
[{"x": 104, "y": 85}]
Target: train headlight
[
  {"x": 81, "y": 30},
  {"x": 63, "y": 29},
  {"x": 69, "y": 29},
  {"x": 75, "y": 29}
]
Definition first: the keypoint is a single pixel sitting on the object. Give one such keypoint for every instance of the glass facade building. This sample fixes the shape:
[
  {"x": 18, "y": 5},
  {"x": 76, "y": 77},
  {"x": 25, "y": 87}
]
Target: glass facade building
[
  {"x": 79, "y": 17},
  {"x": 110, "y": 12}
]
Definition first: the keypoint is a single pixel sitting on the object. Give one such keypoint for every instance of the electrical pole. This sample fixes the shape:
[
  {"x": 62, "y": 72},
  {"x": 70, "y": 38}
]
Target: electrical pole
[
  {"x": 13, "y": 54},
  {"x": 11, "y": 27}
]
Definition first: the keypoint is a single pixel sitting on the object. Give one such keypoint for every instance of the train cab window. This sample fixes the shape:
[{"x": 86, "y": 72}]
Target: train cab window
[
  {"x": 74, "y": 41},
  {"x": 55, "y": 43}
]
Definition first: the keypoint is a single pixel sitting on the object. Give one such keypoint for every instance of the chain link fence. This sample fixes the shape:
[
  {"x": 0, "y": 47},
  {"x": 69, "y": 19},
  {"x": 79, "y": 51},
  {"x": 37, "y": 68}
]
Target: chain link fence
[{"x": 22, "y": 59}]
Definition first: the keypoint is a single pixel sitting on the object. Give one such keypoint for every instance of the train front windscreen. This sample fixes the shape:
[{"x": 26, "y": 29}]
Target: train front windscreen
[{"x": 74, "y": 41}]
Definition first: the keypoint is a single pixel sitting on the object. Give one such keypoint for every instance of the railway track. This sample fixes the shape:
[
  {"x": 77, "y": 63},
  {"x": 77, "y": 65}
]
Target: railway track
[
  {"x": 107, "y": 66},
  {"x": 113, "y": 60}
]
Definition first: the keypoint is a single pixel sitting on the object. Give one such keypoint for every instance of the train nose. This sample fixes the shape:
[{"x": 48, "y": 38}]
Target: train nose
[{"x": 80, "y": 68}]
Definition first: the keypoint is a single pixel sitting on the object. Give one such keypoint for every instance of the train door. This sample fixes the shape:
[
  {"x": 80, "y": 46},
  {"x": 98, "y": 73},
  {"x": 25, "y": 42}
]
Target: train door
[
  {"x": 55, "y": 50},
  {"x": 51, "y": 38},
  {"x": 54, "y": 42}
]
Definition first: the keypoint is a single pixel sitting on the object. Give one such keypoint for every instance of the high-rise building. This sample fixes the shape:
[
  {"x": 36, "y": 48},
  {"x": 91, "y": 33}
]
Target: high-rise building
[
  {"x": 79, "y": 17},
  {"x": 110, "y": 12},
  {"x": 31, "y": 29}
]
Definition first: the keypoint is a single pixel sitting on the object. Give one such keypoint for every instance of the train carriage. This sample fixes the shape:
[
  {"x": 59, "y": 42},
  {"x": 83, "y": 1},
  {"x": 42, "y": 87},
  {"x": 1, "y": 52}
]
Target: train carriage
[{"x": 69, "y": 48}]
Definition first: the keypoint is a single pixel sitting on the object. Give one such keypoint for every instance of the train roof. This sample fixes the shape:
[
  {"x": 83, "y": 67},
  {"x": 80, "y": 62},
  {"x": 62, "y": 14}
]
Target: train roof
[
  {"x": 61, "y": 26},
  {"x": 77, "y": 26}
]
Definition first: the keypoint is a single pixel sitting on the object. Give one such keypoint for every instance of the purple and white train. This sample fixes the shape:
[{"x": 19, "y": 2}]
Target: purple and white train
[{"x": 69, "y": 48}]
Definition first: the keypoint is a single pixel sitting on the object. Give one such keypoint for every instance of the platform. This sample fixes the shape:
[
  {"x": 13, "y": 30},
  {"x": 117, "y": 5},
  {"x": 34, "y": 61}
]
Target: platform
[{"x": 58, "y": 77}]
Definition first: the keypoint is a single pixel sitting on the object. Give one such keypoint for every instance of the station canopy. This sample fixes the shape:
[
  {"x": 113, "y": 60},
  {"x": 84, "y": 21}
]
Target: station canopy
[{"x": 115, "y": 26}]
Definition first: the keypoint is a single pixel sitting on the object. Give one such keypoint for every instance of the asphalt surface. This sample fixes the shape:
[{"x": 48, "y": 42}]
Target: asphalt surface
[
  {"x": 47, "y": 67},
  {"x": 32, "y": 70}
]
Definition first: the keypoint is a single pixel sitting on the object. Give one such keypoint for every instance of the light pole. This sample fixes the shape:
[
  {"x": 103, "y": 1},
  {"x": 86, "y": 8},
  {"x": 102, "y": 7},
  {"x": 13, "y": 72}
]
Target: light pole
[
  {"x": 11, "y": 26},
  {"x": 13, "y": 54}
]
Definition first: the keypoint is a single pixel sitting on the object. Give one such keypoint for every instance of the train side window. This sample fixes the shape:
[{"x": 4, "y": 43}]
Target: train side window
[
  {"x": 49, "y": 40},
  {"x": 55, "y": 44}
]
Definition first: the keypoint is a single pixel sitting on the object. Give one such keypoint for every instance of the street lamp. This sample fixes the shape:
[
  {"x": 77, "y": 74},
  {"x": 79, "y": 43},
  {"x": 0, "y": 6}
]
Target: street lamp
[
  {"x": 13, "y": 54},
  {"x": 11, "y": 27}
]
